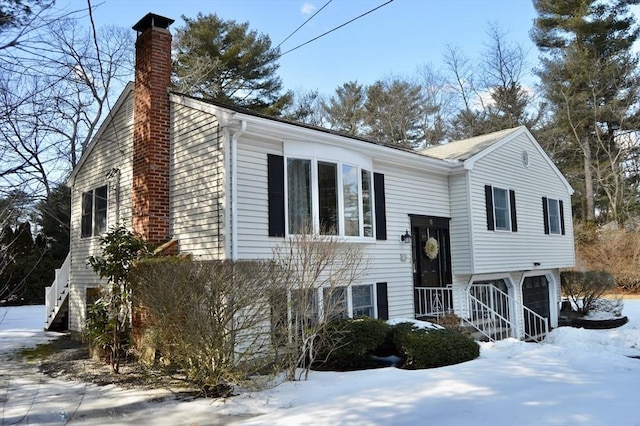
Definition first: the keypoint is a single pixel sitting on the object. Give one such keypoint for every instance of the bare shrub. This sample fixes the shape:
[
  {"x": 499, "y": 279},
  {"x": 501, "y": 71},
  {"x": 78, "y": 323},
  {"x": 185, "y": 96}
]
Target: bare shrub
[
  {"x": 316, "y": 273},
  {"x": 452, "y": 322},
  {"x": 614, "y": 250},
  {"x": 584, "y": 289},
  {"x": 211, "y": 319}
]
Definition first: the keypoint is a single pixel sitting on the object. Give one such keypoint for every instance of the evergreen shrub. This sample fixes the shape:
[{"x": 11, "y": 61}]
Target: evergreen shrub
[
  {"x": 358, "y": 339},
  {"x": 433, "y": 348}
]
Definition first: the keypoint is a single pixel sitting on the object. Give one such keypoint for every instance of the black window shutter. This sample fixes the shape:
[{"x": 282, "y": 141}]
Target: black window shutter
[
  {"x": 382, "y": 301},
  {"x": 545, "y": 215},
  {"x": 514, "y": 218},
  {"x": 380, "y": 207},
  {"x": 275, "y": 182},
  {"x": 561, "y": 216},
  {"x": 488, "y": 198}
]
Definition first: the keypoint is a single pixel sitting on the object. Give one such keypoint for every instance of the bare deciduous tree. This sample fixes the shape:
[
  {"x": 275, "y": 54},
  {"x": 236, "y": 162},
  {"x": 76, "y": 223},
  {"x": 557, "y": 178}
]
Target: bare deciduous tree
[
  {"x": 55, "y": 88},
  {"x": 316, "y": 274}
]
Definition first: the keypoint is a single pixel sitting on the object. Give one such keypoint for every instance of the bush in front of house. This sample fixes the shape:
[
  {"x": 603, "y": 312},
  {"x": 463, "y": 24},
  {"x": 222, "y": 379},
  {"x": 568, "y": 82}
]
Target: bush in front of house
[
  {"x": 351, "y": 343},
  {"x": 356, "y": 343},
  {"x": 206, "y": 319},
  {"x": 585, "y": 289},
  {"x": 432, "y": 348}
]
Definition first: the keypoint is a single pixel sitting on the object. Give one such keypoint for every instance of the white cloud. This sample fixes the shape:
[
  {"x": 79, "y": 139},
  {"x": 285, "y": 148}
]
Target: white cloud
[{"x": 307, "y": 8}]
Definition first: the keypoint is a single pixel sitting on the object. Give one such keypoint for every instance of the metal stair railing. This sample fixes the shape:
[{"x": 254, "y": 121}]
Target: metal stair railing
[
  {"x": 487, "y": 321},
  {"x": 536, "y": 326}
]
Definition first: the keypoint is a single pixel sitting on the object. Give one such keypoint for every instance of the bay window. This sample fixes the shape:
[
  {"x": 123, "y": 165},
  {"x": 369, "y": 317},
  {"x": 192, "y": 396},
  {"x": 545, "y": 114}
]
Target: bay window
[{"x": 331, "y": 198}]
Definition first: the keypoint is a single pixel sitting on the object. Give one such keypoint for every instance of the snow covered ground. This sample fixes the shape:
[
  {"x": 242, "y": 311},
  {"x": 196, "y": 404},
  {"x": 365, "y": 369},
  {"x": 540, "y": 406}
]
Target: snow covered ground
[{"x": 578, "y": 377}]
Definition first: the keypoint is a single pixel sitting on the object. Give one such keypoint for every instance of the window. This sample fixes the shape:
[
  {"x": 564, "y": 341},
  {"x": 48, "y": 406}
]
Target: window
[
  {"x": 501, "y": 209},
  {"x": 94, "y": 212},
  {"x": 553, "y": 213},
  {"x": 329, "y": 197},
  {"x": 339, "y": 301},
  {"x": 334, "y": 301},
  {"x": 554, "y": 217},
  {"x": 299, "y": 194},
  {"x": 297, "y": 309},
  {"x": 362, "y": 300},
  {"x": 332, "y": 198}
]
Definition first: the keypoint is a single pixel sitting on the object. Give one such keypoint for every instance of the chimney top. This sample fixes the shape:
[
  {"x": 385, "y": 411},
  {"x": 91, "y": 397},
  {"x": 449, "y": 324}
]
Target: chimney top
[{"x": 151, "y": 20}]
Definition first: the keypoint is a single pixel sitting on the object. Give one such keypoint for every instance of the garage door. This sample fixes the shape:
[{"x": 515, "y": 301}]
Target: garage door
[{"x": 535, "y": 296}]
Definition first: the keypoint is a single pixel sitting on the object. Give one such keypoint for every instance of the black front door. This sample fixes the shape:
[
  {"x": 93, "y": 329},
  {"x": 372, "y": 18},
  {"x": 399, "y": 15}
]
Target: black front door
[
  {"x": 431, "y": 261},
  {"x": 431, "y": 252}
]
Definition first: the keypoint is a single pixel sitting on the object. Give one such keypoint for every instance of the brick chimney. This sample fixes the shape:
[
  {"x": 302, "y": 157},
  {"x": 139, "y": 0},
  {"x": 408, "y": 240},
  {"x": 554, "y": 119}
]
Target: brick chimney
[{"x": 151, "y": 133}]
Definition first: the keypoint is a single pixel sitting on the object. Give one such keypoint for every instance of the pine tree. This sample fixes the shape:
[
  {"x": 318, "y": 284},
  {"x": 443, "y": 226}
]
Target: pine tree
[
  {"x": 344, "y": 111},
  {"x": 226, "y": 61},
  {"x": 589, "y": 76}
]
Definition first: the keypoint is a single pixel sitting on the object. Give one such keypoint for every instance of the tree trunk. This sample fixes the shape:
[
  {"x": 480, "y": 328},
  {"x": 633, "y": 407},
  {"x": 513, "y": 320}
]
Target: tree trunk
[{"x": 588, "y": 180}]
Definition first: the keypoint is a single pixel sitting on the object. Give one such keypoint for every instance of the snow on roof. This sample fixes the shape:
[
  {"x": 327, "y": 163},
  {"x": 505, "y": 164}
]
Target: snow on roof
[{"x": 466, "y": 148}]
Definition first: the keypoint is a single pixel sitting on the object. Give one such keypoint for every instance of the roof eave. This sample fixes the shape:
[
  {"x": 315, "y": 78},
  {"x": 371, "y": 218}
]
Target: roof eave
[{"x": 94, "y": 140}]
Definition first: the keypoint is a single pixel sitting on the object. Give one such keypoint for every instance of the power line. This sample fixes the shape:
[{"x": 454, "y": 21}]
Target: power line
[
  {"x": 304, "y": 23},
  {"x": 336, "y": 28}
]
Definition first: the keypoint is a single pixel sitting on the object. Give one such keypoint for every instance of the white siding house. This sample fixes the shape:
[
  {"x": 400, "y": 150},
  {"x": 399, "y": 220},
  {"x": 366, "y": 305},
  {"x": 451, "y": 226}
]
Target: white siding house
[{"x": 457, "y": 228}]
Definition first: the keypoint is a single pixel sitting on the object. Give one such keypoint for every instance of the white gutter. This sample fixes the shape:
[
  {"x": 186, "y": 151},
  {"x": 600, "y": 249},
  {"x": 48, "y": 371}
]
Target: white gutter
[{"x": 234, "y": 188}]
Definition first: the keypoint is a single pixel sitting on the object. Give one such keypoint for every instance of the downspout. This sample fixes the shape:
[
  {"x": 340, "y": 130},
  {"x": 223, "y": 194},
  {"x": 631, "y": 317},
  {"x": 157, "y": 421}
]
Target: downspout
[{"x": 234, "y": 188}]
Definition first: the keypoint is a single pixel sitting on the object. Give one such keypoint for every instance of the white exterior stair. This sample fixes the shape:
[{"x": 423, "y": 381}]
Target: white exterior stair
[{"x": 56, "y": 296}]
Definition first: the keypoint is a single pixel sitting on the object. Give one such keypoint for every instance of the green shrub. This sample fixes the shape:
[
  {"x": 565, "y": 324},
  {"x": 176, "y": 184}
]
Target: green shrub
[
  {"x": 350, "y": 343},
  {"x": 397, "y": 335},
  {"x": 101, "y": 332},
  {"x": 434, "y": 348}
]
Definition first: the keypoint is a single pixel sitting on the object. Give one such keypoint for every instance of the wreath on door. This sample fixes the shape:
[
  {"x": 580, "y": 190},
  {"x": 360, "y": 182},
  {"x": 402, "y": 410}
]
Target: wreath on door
[{"x": 431, "y": 248}]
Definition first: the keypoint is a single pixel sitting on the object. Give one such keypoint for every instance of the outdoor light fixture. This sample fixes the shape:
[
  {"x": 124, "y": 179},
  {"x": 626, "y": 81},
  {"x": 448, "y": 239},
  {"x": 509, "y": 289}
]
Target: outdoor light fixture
[
  {"x": 406, "y": 238},
  {"x": 536, "y": 264}
]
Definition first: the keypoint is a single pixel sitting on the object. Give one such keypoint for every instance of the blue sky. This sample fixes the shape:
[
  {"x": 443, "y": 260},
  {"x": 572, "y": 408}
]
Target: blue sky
[{"x": 395, "y": 39}]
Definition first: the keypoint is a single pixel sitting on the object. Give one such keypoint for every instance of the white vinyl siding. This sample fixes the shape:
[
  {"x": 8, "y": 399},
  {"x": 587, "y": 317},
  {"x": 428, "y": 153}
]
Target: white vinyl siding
[
  {"x": 500, "y": 251},
  {"x": 109, "y": 163},
  {"x": 197, "y": 183},
  {"x": 407, "y": 190},
  {"x": 252, "y": 202},
  {"x": 460, "y": 231}
]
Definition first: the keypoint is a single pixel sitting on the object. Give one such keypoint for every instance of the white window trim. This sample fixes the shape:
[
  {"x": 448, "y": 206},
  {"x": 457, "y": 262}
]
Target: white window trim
[
  {"x": 349, "y": 299},
  {"x": 315, "y": 195},
  {"x": 495, "y": 216},
  {"x": 559, "y": 222},
  {"x": 374, "y": 306},
  {"x": 93, "y": 210}
]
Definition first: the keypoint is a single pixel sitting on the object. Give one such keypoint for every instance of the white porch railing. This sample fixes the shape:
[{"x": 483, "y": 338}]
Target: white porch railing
[
  {"x": 56, "y": 294},
  {"x": 489, "y": 313},
  {"x": 433, "y": 301},
  {"x": 494, "y": 312},
  {"x": 489, "y": 310}
]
